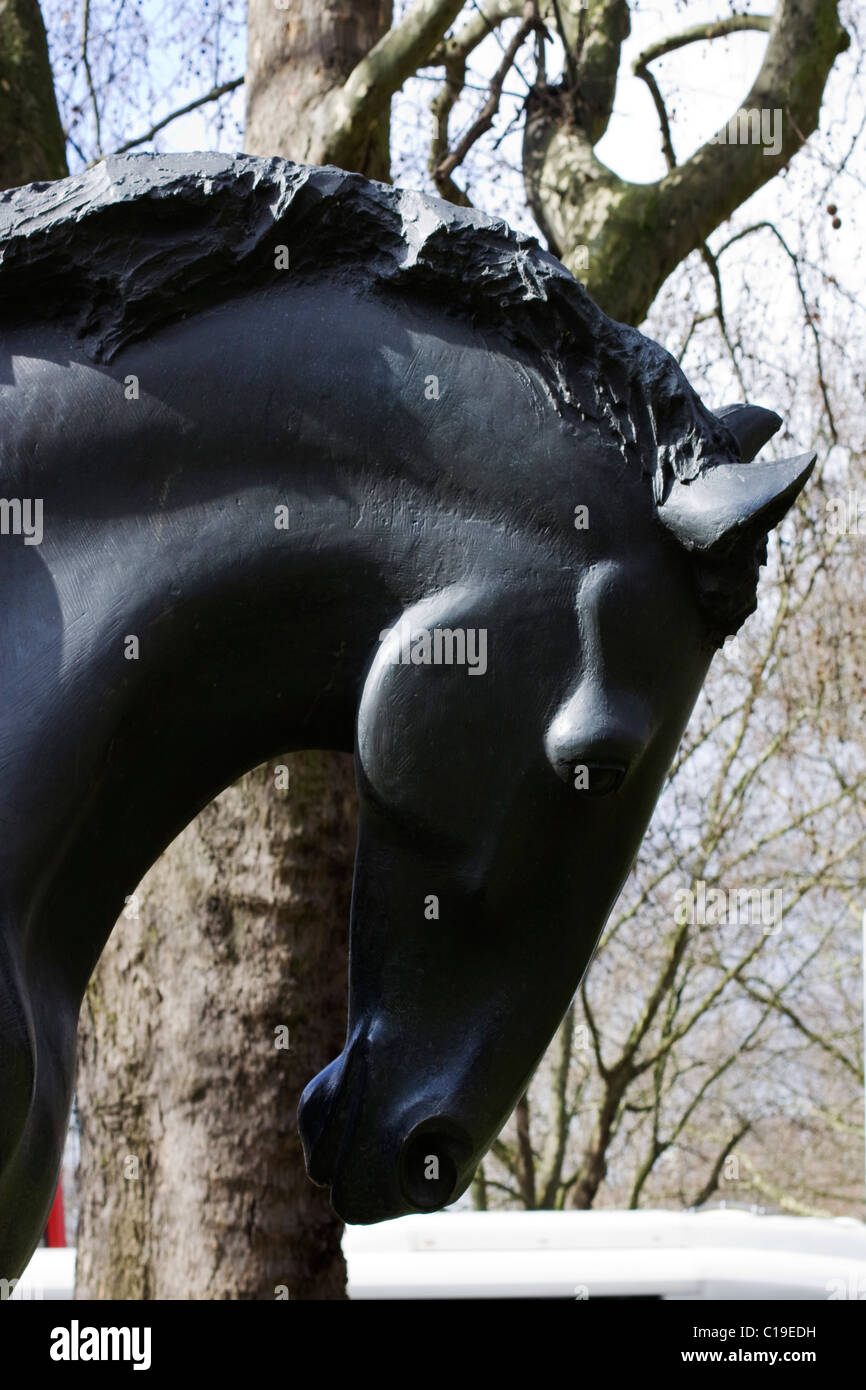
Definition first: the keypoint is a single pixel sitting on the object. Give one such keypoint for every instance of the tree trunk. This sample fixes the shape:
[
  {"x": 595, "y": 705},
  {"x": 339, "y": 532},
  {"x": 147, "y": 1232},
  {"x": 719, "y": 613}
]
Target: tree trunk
[
  {"x": 299, "y": 53},
  {"x": 624, "y": 239},
  {"x": 32, "y": 145},
  {"x": 192, "y": 1176},
  {"x": 221, "y": 992}
]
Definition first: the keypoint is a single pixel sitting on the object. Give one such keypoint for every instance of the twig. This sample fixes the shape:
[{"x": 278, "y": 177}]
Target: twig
[
  {"x": 701, "y": 33},
  {"x": 85, "y": 25},
  {"x": 794, "y": 259},
  {"x": 484, "y": 121},
  {"x": 212, "y": 95},
  {"x": 570, "y": 64},
  {"x": 697, "y": 34}
]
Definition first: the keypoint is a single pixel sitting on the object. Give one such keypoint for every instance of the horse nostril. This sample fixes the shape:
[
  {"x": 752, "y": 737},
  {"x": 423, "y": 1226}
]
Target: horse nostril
[
  {"x": 322, "y": 1119},
  {"x": 428, "y": 1169},
  {"x": 313, "y": 1113}
]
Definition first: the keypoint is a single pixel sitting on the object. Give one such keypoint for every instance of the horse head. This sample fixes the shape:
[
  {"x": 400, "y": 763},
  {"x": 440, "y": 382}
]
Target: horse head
[
  {"x": 532, "y": 677},
  {"x": 502, "y": 806}
]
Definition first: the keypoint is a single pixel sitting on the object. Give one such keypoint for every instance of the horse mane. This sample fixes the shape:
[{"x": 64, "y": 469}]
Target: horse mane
[{"x": 142, "y": 240}]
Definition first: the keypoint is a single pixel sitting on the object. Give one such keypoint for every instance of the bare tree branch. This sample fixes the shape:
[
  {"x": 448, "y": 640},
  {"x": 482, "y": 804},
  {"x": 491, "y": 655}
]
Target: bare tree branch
[
  {"x": 446, "y": 166},
  {"x": 213, "y": 95},
  {"x": 579, "y": 202},
  {"x": 774, "y": 1000},
  {"x": 712, "y": 1181},
  {"x": 85, "y": 58},
  {"x": 453, "y": 54},
  {"x": 809, "y": 315},
  {"x": 700, "y": 33}
]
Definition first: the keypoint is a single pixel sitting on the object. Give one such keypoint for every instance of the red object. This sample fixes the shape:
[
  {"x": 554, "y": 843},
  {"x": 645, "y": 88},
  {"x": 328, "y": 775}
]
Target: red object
[{"x": 55, "y": 1231}]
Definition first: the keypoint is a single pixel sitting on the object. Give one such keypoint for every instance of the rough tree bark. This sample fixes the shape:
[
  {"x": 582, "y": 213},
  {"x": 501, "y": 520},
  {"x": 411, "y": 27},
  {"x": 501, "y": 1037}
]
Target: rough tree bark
[
  {"x": 222, "y": 990},
  {"x": 192, "y": 1175},
  {"x": 298, "y": 55},
  {"x": 344, "y": 93},
  {"x": 32, "y": 144}
]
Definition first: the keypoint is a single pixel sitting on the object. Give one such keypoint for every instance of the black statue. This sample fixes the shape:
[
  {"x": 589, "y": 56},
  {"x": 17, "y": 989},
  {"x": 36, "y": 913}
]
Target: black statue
[{"x": 289, "y": 459}]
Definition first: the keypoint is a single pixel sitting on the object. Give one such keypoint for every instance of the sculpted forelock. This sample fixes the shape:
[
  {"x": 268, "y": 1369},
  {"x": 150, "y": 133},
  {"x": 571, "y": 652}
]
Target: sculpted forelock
[{"x": 142, "y": 240}]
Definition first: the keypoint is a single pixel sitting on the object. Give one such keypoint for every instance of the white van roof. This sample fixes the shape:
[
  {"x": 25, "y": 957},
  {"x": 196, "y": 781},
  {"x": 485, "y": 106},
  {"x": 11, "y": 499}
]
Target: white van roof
[{"x": 718, "y": 1254}]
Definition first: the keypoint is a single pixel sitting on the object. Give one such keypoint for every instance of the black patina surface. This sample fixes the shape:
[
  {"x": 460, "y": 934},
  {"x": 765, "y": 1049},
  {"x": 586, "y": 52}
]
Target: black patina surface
[{"x": 303, "y": 437}]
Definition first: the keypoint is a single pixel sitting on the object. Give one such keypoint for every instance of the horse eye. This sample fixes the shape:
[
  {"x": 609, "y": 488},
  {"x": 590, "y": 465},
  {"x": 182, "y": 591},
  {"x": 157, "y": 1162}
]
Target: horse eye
[{"x": 598, "y": 779}]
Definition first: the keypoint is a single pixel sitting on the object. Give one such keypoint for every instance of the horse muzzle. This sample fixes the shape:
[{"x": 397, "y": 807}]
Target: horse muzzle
[{"x": 376, "y": 1165}]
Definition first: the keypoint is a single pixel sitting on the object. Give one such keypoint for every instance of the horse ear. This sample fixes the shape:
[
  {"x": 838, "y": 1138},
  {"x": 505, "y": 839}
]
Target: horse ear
[
  {"x": 733, "y": 502},
  {"x": 751, "y": 426}
]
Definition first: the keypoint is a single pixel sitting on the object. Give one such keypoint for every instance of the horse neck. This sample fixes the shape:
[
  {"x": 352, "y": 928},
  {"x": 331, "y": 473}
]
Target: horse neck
[
  {"x": 253, "y": 494},
  {"x": 270, "y": 483}
]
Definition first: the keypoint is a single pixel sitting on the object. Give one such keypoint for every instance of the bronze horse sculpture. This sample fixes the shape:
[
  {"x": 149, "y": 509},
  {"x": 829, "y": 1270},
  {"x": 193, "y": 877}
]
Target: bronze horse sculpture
[{"x": 289, "y": 459}]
